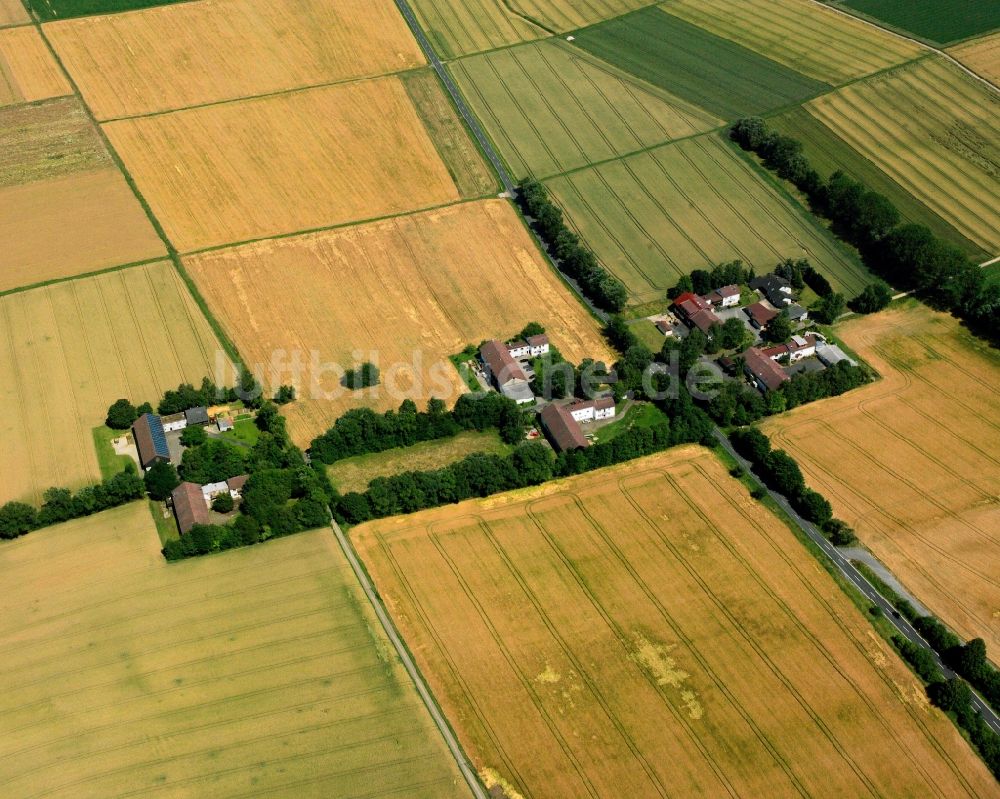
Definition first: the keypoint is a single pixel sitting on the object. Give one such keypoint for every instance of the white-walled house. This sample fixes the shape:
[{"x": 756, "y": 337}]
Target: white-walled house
[{"x": 592, "y": 410}]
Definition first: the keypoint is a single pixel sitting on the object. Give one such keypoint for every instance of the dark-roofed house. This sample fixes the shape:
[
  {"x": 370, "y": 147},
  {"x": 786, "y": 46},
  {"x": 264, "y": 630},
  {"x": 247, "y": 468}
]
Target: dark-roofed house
[
  {"x": 777, "y": 290},
  {"x": 562, "y": 429},
  {"x": 150, "y": 440},
  {"x": 197, "y": 415},
  {"x": 760, "y": 314},
  {"x": 190, "y": 507},
  {"x": 766, "y": 374}
]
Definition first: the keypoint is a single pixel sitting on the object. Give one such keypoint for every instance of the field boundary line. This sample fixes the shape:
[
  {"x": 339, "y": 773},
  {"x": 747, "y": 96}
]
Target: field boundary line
[
  {"x": 84, "y": 275},
  {"x": 921, "y": 42},
  {"x": 437, "y": 716}
]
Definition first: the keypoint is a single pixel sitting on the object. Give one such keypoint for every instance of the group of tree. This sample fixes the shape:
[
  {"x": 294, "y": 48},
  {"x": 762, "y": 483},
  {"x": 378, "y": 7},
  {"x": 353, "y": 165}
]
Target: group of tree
[
  {"x": 781, "y": 473},
  {"x": 702, "y": 281},
  {"x": 954, "y": 696},
  {"x": 363, "y": 376},
  {"x": 282, "y": 495},
  {"x": 61, "y": 504},
  {"x": 599, "y": 285},
  {"x": 362, "y": 430},
  {"x": 907, "y": 255}
]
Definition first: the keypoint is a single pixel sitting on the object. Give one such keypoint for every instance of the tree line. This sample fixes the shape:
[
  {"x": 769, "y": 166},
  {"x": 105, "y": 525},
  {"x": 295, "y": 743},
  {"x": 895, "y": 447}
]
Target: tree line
[
  {"x": 601, "y": 287},
  {"x": 907, "y": 255},
  {"x": 361, "y": 430},
  {"x": 61, "y": 504}
]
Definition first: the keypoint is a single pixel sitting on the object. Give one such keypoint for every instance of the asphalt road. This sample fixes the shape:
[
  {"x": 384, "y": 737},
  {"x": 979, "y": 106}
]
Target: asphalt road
[
  {"x": 390, "y": 630},
  {"x": 858, "y": 579}
]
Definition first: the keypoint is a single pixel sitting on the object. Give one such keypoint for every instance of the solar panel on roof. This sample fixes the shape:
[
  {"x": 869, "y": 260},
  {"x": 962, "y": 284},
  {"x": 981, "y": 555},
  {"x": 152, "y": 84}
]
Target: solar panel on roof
[{"x": 159, "y": 437}]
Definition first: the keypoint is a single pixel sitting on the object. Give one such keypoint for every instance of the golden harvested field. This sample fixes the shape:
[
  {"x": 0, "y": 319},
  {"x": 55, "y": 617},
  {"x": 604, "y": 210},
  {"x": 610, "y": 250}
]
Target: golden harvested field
[
  {"x": 460, "y": 154},
  {"x": 257, "y": 168},
  {"x": 912, "y": 462},
  {"x": 72, "y": 225},
  {"x": 933, "y": 130},
  {"x": 27, "y": 69},
  {"x": 187, "y": 54},
  {"x": 649, "y": 630},
  {"x": 260, "y": 672},
  {"x": 69, "y": 350},
  {"x": 825, "y": 45},
  {"x": 415, "y": 287},
  {"x": 12, "y": 12},
  {"x": 458, "y": 27},
  {"x": 982, "y": 56},
  {"x": 565, "y": 15}
]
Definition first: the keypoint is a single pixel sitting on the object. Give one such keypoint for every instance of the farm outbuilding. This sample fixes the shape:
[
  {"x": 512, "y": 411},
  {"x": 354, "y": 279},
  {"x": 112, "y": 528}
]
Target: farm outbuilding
[
  {"x": 150, "y": 440},
  {"x": 196, "y": 416},
  {"x": 563, "y": 430},
  {"x": 190, "y": 507}
]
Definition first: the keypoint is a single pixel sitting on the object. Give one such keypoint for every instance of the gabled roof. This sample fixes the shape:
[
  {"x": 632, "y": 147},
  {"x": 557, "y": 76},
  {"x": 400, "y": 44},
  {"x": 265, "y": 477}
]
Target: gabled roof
[
  {"x": 764, "y": 369},
  {"x": 197, "y": 415},
  {"x": 796, "y": 311},
  {"x": 690, "y": 303},
  {"x": 563, "y": 429},
  {"x": 538, "y": 341},
  {"x": 760, "y": 313},
  {"x": 189, "y": 506},
  {"x": 150, "y": 439},
  {"x": 237, "y": 483},
  {"x": 719, "y": 294},
  {"x": 797, "y": 343},
  {"x": 502, "y": 366},
  {"x": 704, "y": 319}
]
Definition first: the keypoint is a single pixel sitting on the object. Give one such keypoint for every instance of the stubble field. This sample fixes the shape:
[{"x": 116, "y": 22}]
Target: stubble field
[
  {"x": 27, "y": 69},
  {"x": 69, "y": 350},
  {"x": 913, "y": 461},
  {"x": 649, "y": 630},
  {"x": 653, "y": 217},
  {"x": 194, "y": 53},
  {"x": 936, "y": 132},
  {"x": 258, "y": 168},
  {"x": 458, "y": 27},
  {"x": 982, "y": 56},
  {"x": 420, "y": 286},
  {"x": 12, "y": 12},
  {"x": 259, "y": 672},
  {"x": 550, "y": 108},
  {"x": 65, "y": 209},
  {"x": 804, "y": 36}
]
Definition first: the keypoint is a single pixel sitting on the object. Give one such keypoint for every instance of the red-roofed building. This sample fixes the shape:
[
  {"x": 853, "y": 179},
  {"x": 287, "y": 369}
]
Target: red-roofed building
[
  {"x": 696, "y": 311},
  {"x": 562, "y": 429},
  {"x": 760, "y": 314},
  {"x": 500, "y": 367},
  {"x": 190, "y": 506},
  {"x": 766, "y": 374}
]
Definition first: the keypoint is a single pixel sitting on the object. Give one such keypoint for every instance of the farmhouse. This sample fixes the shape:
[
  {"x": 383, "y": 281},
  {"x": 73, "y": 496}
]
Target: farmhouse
[
  {"x": 236, "y": 485},
  {"x": 172, "y": 422},
  {"x": 797, "y": 348},
  {"x": 696, "y": 311},
  {"x": 506, "y": 373},
  {"x": 150, "y": 440},
  {"x": 531, "y": 347},
  {"x": 765, "y": 373},
  {"x": 592, "y": 410},
  {"x": 725, "y": 297},
  {"x": 196, "y": 416},
  {"x": 760, "y": 314},
  {"x": 562, "y": 429},
  {"x": 190, "y": 507},
  {"x": 777, "y": 290}
]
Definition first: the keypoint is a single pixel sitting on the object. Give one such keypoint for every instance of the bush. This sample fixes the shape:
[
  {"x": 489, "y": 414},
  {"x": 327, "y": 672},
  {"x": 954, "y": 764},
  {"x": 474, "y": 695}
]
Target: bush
[
  {"x": 223, "y": 503},
  {"x": 160, "y": 480},
  {"x": 121, "y": 415},
  {"x": 839, "y": 533},
  {"x": 874, "y": 298},
  {"x": 193, "y": 436},
  {"x": 284, "y": 395},
  {"x": 364, "y": 376}
]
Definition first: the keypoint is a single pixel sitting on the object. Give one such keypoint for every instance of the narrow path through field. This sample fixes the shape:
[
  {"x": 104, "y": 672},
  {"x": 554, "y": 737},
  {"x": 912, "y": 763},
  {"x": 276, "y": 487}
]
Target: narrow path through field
[
  {"x": 390, "y": 630},
  {"x": 842, "y": 561}
]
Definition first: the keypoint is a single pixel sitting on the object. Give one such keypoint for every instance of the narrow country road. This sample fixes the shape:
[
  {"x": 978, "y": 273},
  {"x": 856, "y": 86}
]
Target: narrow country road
[
  {"x": 477, "y": 130},
  {"x": 858, "y": 579},
  {"x": 390, "y": 630}
]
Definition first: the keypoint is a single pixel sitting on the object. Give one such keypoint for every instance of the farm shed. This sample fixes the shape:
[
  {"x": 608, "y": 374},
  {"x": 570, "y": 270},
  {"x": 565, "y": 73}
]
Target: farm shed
[
  {"x": 150, "y": 440},
  {"x": 189, "y": 506},
  {"x": 563, "y": 430},
  {"x": 197, "y": 415}
]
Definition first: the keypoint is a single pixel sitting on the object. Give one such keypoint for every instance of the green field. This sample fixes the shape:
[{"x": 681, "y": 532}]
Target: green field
[
  {"x": 939, "y": 21},
  {"x": 654, "y": 216},
  {"x": 550, "y": 108},
  {"x": 644, "y": 415},
  {"x": 827, "y": 152},
  {"x": 717, "y": 74},
  {"x": 109, "y": 461},
  {"x": 63, "y": 9},
  {"x": 354, "y": 474},
  {"x": 259, "y": 672},
  {"x": 933, "y": 130}
]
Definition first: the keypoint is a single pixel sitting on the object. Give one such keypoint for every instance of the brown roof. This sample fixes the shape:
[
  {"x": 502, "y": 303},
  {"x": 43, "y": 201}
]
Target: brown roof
[
  {"x": 776, "y": 351},
  {"x": 603, "y": 403},
  {"x": 237, "y": 483},
  {"x": 539, "y": 340},
  {"x": 189, "y": 506},
  {"x": 149, "y": 440},
  {"x": 664, "y": 326},
  {"x": 764, "y": 369},
  {"x": 563, "y": 429},
  {"x": 704, "y": 320},
  {"x": 760, "y": 313},
  {"x": 718, "y": 295},
  {"x": 503, "y": 367}
]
